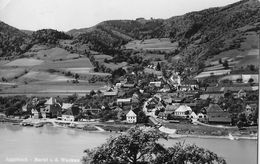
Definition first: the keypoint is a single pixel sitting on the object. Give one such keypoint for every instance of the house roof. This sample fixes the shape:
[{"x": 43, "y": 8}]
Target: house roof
[
  {"x": 162, "y": 114},
  {"x": 130, "y": 114},
  {"x": 171, "y": 108},
  {"x": 68, "y": 112},
  {"x": 124, "y": 100},
  {"x": 168, "y": 100},
  {"x": 66, "y": 105},
  {"x": 109, "y": 93},
  {"x": 117, "y": 109},
  {"x": 183, "y": 108},
  {"x": 51, "y": 101},
  {"x": 214, "y": 108},
  {"x": 35, "y": 110},
  {"x": 194, "y": 115}
]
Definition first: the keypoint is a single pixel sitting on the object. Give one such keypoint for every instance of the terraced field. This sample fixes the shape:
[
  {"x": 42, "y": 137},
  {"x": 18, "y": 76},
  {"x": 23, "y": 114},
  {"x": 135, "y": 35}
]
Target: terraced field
[
  {"x": 163, "y": 44},
  {"x": 45, "y": 72},
  {"x": 25, "y": 62}
]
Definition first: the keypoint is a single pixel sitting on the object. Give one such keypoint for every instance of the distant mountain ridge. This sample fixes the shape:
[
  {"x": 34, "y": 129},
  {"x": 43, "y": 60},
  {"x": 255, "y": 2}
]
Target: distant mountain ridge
[{"x": 199, "y": 34}]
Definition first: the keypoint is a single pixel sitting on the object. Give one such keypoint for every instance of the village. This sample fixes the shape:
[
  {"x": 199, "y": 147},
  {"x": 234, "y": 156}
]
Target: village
[{"x": 151, "y": 99}]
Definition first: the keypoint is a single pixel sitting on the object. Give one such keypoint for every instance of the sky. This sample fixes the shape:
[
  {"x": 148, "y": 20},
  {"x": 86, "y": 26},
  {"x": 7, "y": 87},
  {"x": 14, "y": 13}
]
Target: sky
[{"x": 65, "y": 15}]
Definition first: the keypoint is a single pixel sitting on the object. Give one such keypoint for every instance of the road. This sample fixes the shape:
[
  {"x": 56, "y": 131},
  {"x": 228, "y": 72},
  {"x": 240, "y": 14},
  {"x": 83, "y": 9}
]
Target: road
[{"x": 155, "y": 121}]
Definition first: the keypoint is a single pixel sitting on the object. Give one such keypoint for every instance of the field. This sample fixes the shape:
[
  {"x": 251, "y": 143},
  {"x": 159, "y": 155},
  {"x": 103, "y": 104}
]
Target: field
[
  {"x": 42, "y": 76},
  {"x": 25, "y": 62},
  {"x": 58, "y": 89},
  {"x": 210, "y": 73},
  {"x": 72, "y": 63},
  {"x": 245, "y": 77},
  {"x": 11, "y": 73},
  {"x": 246, "y": 54},
  {"x": 43, "y": 73},
  {"x": 163, "y": 44}
]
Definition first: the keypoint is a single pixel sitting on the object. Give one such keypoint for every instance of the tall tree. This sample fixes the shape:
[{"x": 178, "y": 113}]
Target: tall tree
[{"x": 140, "y": 146}]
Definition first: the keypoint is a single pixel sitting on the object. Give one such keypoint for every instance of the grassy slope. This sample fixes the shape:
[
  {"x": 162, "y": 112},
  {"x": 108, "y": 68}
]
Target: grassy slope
[{"x": 39, "y": 79}]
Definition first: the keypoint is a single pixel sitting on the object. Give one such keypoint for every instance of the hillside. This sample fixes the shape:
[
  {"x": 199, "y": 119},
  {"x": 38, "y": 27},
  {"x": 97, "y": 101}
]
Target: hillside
[
  {"x": 12, "y": 40},
  {"x": 198, "y": 38},
  {"x": 212, "y": 41},
  {"x": 199, "y": 35},
  {"x": 109, "y": 36},
  {"x": 204, "y": 34}
]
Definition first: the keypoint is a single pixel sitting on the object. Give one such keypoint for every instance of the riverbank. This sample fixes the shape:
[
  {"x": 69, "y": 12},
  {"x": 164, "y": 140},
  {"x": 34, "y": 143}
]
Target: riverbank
[
  {"x": 230, "y": 137},
  {"x": 10, "y": 120},
  {"x": 180, "y": 130},
  {"x": 185, "y": 129}
]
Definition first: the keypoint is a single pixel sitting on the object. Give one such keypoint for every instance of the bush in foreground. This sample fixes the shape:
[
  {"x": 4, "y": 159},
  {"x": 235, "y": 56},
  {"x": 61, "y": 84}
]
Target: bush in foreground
[{"x": 140, "y": 146}]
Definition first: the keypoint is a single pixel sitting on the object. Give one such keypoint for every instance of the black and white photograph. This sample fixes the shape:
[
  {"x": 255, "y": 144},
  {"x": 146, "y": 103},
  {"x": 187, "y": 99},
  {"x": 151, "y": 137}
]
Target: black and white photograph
[{"x": 129, "y": 81}]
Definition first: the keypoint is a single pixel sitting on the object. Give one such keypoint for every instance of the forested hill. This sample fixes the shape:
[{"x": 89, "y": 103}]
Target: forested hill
[
  {"x": 12, "y": 40},
  {"x": 200, "y": 34},
  {"x": 209, "y": 32}
]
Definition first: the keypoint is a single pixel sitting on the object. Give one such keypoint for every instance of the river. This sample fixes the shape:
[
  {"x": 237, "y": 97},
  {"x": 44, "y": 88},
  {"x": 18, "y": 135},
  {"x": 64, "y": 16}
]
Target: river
[{"x": 62, "y": 145}]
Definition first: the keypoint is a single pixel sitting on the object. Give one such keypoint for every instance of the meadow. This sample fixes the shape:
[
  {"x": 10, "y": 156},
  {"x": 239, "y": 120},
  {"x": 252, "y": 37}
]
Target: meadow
[
  {"x": 163, "y": 44},
  {"x": 45, "y": 71}
]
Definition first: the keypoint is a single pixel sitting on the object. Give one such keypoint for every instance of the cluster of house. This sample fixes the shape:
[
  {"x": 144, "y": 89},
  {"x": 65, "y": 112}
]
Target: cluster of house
[
  {"x": 51, "y": 108},
  {"x": 166, "y": 102},
  {"x": 165, "y": 105}
]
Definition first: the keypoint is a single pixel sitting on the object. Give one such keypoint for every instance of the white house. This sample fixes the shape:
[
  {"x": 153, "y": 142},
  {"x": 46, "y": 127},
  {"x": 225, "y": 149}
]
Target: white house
[
  {"x": 35, "y": 113},
  {"x": 68, "y": 116},
  {"x": 124, "y": 101},
  {"x": 193, "y": 115},
  {"x": 183, "y": 111},
  {"x": 131, "y": 117}
]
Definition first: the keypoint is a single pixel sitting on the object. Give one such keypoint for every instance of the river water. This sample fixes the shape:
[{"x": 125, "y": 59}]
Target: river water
[{"x": 62, "y": 145}]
